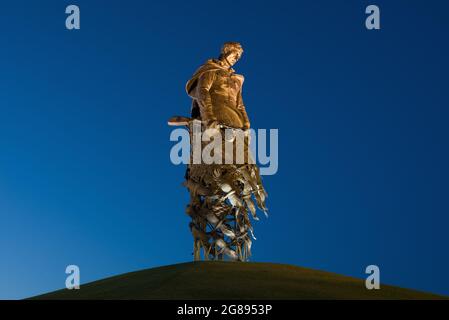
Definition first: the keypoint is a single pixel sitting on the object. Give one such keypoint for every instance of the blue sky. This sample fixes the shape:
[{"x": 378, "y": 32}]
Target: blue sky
[{"x": 85, "y": 173}]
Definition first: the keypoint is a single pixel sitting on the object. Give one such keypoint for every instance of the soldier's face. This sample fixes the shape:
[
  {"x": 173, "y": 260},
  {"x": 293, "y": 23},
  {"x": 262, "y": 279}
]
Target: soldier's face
[{"x": 233, "y": 57}]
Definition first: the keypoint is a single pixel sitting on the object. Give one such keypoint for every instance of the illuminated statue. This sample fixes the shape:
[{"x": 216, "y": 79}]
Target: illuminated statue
[{"x": 222, "y": 193}]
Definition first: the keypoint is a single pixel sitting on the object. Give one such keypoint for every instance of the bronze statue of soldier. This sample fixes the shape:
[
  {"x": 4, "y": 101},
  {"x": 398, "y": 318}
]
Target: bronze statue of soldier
[{"x": 222, "y": 195}]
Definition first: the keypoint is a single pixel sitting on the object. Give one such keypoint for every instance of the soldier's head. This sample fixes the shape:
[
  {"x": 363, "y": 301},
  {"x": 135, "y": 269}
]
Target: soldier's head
[{"x": 231, "y": 52}]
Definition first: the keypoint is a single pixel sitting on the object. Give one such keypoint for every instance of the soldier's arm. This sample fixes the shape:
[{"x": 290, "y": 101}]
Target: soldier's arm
[
  {"x": 205, "y": 82},
  {"x": 242, "y": 109}
]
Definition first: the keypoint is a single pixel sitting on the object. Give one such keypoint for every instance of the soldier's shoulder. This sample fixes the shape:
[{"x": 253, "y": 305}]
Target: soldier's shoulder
[
  {"x": 240, "y": 77},
  {"x": 211, "y": 65}
]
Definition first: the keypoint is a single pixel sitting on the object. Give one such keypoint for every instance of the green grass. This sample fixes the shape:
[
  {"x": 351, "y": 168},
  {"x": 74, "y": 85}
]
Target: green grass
[{"x": 233, "y": 280}]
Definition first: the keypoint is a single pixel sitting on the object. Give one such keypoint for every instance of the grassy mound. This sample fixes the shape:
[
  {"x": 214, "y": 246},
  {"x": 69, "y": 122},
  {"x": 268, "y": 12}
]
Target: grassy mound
[{"x": 232, "y": 280}]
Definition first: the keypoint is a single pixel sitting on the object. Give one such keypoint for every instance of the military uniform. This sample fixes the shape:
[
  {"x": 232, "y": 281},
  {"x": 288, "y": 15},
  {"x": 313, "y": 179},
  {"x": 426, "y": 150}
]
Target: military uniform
[{"x": 216, "y": 91}]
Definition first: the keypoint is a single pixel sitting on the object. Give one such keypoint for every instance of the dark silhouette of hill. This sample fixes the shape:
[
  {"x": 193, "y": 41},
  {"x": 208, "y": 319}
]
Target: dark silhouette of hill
[{"x": 233, "y": 280}]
